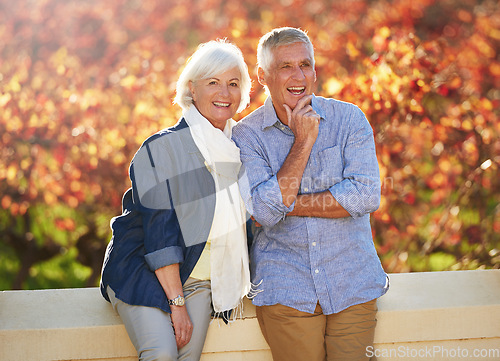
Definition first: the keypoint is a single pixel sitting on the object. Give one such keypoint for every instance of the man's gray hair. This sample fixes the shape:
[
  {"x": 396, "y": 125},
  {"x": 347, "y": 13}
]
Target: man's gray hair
[
  {"x": 212, "y": 58},
  {"x": 279, "y": 37}
]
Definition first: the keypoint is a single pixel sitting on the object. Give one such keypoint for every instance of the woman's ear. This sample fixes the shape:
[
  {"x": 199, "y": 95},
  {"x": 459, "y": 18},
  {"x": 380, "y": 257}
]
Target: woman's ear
[
  {"x": 191, "y": 89},
  {"x": 261, "y": 75}
]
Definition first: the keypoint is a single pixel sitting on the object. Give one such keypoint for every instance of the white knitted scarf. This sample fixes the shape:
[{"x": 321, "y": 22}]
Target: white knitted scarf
[{"x": 229, "y": 271}]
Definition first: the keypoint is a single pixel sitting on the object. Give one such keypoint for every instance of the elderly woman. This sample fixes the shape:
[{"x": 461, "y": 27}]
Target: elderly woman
[{"x": 178, "y": 249}]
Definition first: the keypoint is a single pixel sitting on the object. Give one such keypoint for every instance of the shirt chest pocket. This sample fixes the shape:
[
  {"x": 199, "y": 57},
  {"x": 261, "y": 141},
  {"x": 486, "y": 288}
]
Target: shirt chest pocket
[{"x": 324, "y": 170}]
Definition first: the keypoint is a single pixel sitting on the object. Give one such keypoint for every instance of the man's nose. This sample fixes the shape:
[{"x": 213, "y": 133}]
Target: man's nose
[{"x": 298, "y": 73}]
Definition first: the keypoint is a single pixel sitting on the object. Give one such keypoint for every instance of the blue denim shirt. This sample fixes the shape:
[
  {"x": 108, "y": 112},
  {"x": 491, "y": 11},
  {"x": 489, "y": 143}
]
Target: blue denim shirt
[{"x": 299, "y": 261}]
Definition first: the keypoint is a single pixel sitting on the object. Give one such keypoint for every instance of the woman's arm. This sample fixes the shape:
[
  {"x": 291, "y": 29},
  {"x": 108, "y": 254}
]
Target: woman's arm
[{"x": 170, "y": 281}]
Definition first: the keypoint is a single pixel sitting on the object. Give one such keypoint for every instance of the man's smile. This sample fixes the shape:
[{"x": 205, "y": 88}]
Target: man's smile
[{"x": 296, "y": 90}]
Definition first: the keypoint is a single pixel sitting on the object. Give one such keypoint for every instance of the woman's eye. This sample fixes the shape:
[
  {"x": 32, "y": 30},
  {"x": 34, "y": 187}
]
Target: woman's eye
[
  {"x": 213, "y": 82},
  {"x": 234, "y": 84}
]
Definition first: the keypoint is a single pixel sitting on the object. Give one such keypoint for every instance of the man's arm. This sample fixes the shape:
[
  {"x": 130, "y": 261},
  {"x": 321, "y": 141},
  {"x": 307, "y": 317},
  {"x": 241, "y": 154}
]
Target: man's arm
[
  {"x": 303, "y": 121},
  {"x": 262, "y": 191},
  {"x": 322, "y": 205},
  {"x": 359, "y": 192}
]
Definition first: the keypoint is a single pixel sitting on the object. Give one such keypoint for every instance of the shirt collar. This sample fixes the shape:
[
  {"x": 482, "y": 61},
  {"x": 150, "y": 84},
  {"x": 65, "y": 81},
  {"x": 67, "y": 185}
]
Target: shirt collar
[{"x": 271, "y": 118}]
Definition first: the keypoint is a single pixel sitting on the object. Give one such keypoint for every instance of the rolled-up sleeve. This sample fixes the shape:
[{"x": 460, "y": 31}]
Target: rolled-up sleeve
[
  {"x": 258, "y": 185},
  {"x": 161, "y": 239},
  {"x": 160, "y": 226},
  {"x": 359, "y": 190}
]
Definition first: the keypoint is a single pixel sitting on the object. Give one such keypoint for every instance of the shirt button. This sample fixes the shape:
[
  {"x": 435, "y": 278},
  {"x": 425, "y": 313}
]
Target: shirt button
[
  {"x": 306, "y": 189},
  {"x": 314, "y": 244},
  {"x": 316, "y": 271}
]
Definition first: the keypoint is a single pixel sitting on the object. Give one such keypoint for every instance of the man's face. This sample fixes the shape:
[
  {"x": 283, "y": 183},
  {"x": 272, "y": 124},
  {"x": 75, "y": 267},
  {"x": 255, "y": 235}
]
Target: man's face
[{"x": 290, "y": 76}]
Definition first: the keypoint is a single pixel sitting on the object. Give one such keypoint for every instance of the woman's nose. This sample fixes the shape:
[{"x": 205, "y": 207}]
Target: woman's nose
[{"x": 224, "y": 90}]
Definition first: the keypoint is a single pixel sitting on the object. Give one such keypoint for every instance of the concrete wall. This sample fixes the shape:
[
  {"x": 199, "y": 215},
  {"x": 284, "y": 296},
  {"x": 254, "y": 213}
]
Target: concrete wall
[{"x": 424, "y": 316}]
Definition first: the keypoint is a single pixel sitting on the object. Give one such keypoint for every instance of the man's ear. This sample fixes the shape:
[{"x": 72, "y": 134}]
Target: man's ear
[{"x": 261, "y": 76}]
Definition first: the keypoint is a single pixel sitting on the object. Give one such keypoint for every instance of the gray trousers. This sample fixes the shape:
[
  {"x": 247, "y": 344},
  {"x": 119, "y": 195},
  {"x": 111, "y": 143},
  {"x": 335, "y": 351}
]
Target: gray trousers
[{"x": 150, "y": 329}]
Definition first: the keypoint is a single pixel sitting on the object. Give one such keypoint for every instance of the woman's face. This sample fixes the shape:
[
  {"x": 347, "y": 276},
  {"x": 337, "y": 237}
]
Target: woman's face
[{"x": 217, "y": 98}]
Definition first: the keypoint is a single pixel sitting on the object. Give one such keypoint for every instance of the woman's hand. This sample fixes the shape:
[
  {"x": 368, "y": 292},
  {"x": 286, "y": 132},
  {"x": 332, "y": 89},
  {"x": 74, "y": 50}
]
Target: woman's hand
[
  {"x": 170, "y": 281},
  {"x": 183, "y": 327}
]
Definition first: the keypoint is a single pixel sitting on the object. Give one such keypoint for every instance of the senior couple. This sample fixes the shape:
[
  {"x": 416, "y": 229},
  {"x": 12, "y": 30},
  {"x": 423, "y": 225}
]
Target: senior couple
[{"x": 302, "y": 166}]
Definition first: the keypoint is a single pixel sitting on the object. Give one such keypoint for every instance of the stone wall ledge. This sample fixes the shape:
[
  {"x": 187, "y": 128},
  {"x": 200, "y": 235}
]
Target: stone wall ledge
[{"x": 425, "y": 316}]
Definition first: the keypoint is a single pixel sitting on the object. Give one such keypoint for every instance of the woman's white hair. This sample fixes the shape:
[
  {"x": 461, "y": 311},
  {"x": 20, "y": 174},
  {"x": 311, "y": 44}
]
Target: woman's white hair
[
  {"x": 276, "y": 38},
  {"x": 212, "y": 58}
]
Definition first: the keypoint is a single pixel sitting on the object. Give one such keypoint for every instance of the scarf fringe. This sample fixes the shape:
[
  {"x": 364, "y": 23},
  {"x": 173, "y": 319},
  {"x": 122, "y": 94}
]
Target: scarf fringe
[
  {"x": 254, "y": 290},
  {"x": 236, "y": 313}
]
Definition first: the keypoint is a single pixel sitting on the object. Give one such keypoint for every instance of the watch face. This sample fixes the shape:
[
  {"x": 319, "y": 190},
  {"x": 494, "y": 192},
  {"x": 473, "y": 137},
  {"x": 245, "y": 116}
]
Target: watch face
[{"x": 178, "y": 301}]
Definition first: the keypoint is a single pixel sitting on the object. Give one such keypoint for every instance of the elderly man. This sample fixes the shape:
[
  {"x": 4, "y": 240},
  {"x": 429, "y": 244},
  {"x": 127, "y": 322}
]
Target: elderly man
[{"x": 311, "y": 181}]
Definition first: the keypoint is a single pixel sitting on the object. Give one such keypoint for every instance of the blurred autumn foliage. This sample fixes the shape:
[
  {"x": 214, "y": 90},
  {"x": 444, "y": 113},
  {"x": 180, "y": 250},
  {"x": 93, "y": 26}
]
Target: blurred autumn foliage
[{"x": 83, "y": 83}]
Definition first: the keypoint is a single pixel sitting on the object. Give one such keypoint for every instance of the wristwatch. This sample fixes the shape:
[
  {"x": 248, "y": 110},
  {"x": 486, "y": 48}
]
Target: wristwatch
[{"x": 178, "y": 301}]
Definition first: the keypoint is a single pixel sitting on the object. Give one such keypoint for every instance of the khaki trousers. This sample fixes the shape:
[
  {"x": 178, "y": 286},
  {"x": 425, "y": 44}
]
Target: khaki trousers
[{"x": 299, "y": 336}]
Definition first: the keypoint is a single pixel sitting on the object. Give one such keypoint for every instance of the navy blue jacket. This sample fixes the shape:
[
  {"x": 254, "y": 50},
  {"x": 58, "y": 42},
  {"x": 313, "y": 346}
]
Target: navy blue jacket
[{"x": 166, "y": 218}]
